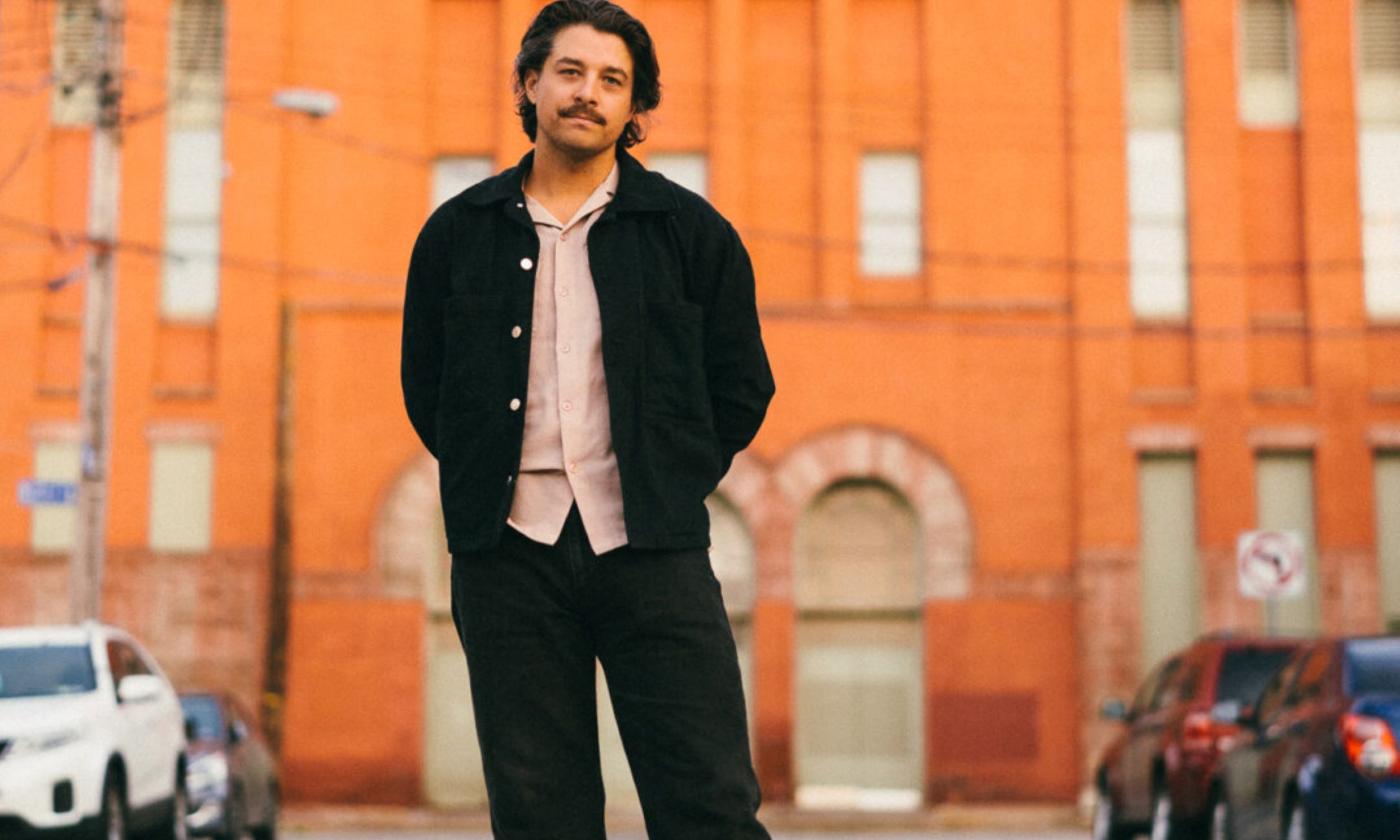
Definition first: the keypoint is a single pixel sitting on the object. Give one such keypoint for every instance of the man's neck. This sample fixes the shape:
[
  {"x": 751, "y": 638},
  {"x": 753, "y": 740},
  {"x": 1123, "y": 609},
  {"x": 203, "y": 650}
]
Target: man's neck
[{"x": 562, "y": 183}]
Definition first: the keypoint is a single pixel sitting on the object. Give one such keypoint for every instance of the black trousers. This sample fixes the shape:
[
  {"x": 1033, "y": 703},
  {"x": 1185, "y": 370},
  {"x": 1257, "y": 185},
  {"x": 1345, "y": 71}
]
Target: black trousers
[{"x": 533, "y": 618}]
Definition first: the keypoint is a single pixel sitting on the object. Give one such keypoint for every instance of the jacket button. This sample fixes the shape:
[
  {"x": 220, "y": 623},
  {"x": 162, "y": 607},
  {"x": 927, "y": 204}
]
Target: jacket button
[
  {"x": 527, "y": 263},
  {"x": 510, "y": 479},
  {"x": 515, "y": 332},
  {"x": 515, "y": 404}
]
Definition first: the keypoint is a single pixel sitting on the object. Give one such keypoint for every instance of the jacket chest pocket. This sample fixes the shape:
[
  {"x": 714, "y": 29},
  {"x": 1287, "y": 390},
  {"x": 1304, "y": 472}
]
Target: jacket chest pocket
[
  {"x": 474, "y": 331},
  {"x": 675, "y": 354}
]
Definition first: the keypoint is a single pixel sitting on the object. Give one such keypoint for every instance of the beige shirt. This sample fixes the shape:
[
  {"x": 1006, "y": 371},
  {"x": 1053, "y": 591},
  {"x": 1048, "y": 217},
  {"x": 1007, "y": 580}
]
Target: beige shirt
[{"x": 567, "y": 454}]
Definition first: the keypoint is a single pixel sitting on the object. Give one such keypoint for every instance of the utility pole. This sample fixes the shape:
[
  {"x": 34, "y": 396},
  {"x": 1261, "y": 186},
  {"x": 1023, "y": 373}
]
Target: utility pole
[{"x": 95, "y": 399}]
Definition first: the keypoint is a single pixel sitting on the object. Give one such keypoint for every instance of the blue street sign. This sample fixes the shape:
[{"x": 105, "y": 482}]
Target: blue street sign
[{"x": 32, "y": 491}]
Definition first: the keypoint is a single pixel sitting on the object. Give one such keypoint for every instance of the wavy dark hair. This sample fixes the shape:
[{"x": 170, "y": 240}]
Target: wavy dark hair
[{"x": 603, "y": 16}]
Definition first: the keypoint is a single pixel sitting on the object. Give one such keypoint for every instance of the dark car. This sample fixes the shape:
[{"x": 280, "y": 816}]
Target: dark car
[
  {"x": 232, "y": 776},
  {"x": 1156, "y": 774},
  {"x": 1316, "y": 758}
]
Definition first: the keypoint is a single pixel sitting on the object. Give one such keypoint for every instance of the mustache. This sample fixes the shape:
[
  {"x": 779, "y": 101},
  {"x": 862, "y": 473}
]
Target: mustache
[{"x": 582, "y": 110}]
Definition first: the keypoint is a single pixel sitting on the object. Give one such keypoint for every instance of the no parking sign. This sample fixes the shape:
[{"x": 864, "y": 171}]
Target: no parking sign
[{"x": 1271, "y": 564}]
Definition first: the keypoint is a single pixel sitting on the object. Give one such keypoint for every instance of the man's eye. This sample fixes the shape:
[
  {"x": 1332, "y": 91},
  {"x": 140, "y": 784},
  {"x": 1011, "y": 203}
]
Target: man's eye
[{"x": 614, "y": 82}]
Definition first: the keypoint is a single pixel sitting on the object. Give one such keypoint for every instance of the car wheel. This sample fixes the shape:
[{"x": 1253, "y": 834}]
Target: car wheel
[
  {"x": 268, "y": 830},
  {"x": 1220, "y": 819},
  {"x": 1165, "y": 824},
  {"x": 1297, "y": 825},
  {"x": 1106, "y": 825},
  {"x": 176, "y": 826},
  {"x": 111, "y": 825},
  {"x": 234, "y": 817}
]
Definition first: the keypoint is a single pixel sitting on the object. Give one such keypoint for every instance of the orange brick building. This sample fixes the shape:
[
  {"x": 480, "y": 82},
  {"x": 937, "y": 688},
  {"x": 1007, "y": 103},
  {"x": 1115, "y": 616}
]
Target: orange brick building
[{"x": 1060, "y": 295}]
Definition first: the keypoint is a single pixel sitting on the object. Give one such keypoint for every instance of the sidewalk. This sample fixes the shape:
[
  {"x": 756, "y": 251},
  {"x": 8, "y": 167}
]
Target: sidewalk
[{"x": 785, "y": 818}]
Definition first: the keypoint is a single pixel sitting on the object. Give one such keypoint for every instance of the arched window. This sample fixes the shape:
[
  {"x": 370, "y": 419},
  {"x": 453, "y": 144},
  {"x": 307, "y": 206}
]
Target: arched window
[{"x": 859, "y": 715}]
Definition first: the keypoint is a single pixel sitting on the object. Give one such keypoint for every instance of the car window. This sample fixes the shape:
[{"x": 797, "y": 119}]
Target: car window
[
  {"x": 125, "y": 661},
  {"x": 1312, "y": 678},
  {"x": 1271, "y": 699},
  {"x": 44, "y": 670},
  {"x": 1373, "y": 666},
  {"x": 1245, "y": 671},
  {"x": 1172, "y": 687},
  {"x": 203, "y": 711},
  {"x": 1151, "y": 687}
]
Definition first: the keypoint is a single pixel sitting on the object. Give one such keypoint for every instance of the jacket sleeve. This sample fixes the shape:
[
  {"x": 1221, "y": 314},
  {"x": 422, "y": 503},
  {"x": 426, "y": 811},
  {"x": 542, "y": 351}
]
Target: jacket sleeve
[
  {"x": 737, "y": 374},
  {"x": 420, "y": 362}
]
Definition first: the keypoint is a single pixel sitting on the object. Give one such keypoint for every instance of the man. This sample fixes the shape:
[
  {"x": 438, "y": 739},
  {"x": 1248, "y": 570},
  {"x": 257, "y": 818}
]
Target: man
[{"x": 581, "y": 352}]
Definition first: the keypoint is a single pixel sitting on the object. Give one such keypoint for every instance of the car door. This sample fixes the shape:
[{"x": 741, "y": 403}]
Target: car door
[
  {"x": 146, "y": 745},
  {"x": 257, "y": 765},
  {"x": 1145, "y": 724},
  {"x": 1246, "y": 772},
  {"x": 1284, "y": 737}
]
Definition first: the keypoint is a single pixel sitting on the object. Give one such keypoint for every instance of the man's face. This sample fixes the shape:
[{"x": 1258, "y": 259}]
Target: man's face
[{"x": 583, "y": 93}]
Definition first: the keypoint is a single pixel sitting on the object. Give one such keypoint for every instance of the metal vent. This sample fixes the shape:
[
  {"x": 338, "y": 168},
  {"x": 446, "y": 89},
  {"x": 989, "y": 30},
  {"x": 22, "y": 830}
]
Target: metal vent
[
  {"x": 1268, "y": 37},
  {"x": 1378, "y": 22},
  {"x": 196, "y": 63},
  {"x": 1152, "y": 38},
  {"x": 75, "y": 62}
]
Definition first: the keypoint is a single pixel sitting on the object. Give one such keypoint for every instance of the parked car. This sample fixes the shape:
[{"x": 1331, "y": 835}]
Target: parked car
[
  {"x": 92, "y": 739},
  {"x": 1316, "y": 758},
  {"x": 233, "y": 776},
  {"x": 1156, "y": 774}
]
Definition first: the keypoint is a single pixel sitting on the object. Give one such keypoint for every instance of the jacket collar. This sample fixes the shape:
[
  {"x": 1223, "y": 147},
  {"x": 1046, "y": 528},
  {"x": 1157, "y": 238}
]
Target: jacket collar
[{"x": 638, "y": 190}]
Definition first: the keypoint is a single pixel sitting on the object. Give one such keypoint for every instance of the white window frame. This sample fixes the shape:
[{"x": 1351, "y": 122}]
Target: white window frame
[{"x": 890, "y": 187}]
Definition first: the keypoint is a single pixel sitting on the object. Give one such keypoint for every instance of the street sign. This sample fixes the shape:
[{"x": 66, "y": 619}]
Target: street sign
[
  {"x": 1270, "y": 564},
  {"x": 33, "y": 491}
]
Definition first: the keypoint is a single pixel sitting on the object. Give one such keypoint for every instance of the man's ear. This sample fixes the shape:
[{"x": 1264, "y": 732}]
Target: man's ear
[{"x": 532, "y": 79}]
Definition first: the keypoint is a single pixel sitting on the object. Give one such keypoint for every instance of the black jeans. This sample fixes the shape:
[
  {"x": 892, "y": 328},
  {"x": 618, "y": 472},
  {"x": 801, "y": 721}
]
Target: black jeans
[{"x": 533, "y": 617}]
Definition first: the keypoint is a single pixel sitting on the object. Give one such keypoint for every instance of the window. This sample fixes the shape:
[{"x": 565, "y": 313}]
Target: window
[
  {"x": 1284, "y": 495},
  {"x": 1271, "y": 698},
  {"x": 689, "y": 169},
  {"x": 1378, "y": 116},
  {"x": 1268, "y": 64},
  {"x": 194, "y": 162},
  {"x": 75, "y": 62},
  {"x": 1157, "y": 232},
  {"x": 1167, "y": 516},
  {"x": 859, "y": 713},
  {"x": 53, "y": 528},
  {"x": 891, "y": 242},
  {"x": 1313, "y": 678},
  {"x": 181, "y": 496},
  {"x": 1388, "y": 536},
  {"x": 451, "y": 175}
]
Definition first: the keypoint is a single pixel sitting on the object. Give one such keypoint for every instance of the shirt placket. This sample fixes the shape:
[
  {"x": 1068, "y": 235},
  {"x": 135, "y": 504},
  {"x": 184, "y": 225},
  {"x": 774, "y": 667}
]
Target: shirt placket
[{"x": 565, "y": 340}]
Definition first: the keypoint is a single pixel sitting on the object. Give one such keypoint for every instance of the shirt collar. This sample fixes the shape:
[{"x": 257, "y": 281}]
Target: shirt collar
[
  {"x": 636, "y": 190},
  {"x": 601, "y": 195}
]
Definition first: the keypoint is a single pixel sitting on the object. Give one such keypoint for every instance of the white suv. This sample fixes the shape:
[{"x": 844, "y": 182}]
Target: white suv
[{"x": 92, "y": 737}]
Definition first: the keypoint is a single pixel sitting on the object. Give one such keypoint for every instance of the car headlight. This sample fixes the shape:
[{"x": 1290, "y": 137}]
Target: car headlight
[
  {"x": 208, "y": 772},
  {"x": 50, "y": 739}
]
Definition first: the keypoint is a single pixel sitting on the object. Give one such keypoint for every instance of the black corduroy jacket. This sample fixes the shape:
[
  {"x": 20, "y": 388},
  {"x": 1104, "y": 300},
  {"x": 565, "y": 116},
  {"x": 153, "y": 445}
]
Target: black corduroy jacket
[{"x": 688, "y": 380}]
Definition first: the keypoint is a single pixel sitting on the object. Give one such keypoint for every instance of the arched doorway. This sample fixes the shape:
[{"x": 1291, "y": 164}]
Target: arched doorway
[{"x": 859, "y": 714}]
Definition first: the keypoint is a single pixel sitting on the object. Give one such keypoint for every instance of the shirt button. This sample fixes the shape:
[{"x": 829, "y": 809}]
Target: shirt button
[
  {"x": 564, "y": 348},
  {"x": 568, "y": 406},
  {"x": 515, "y": 404},
  {"x": 527, "y": 263},
  {"x": 564, "y": 292},
  {"x": 573, "y": 467},
  {"x": 515, "y": 332},
  {"x": 564, "y": 236}
]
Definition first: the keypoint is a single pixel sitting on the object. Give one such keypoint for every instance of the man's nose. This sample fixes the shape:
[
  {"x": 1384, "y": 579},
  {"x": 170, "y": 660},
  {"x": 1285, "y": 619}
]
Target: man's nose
[{"x": 588, "y": 89}]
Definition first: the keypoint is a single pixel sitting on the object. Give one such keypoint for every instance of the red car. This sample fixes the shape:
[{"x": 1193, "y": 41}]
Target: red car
[{"x": 1156, "y": 774}]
